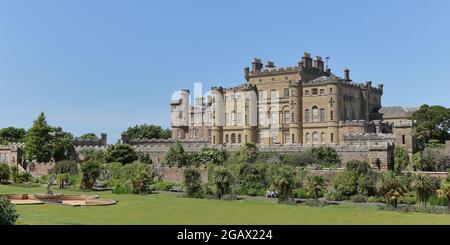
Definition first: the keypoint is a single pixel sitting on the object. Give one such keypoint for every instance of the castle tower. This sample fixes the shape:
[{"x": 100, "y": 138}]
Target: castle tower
[
  {"x": 217, "y": 120},
  {"x": 180, "y": 115}
]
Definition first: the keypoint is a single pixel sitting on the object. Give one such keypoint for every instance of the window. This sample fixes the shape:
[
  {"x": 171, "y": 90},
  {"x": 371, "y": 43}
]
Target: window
[
  {"x": 292, "y": 117},
  {"x": 260, "y": 94},
  {"x": 287, "y": 139},
  {"x": 322, "y": 91},
  {"x": 239, "y": 118},
  {"x": 293, "y": 138},
  {"x": 314, "y": 91},
  {"x": 273, "y": 94},
  {"x": 307, "y": 115},
  {"x": 315, "y": 138},
  {"x": 322, "y": 138},
  {"x": 332, "y": 138},
  {"x": 273, "y": 137},
  {"x": 403, "y": 139},
  {"x": 239, "y": 138},
  {"x": 227, "y": 139},
  {"x": 227, "y": 119},
  {"x": 273, "y": 117},
  {"x": 214, "y": 139},
  {"x": 308, "y": 140},
  {"x": 315, "y": 114},
  {"x": 246, "y": 139},
  {"x": 331, "y": 116},
  {"x": 286, "y": 92},
  {"x": 286, "y": 117},
  {"x": 322, "y": 114},
  {"x": 233, "y": 138},
  {"x": 261, "y": 137},
  {"x": 261, "y": 118},
  {"x": 233, "y": 118},
  {"x": 306, "y": 92},
  {"x": 331, "y": 90}
]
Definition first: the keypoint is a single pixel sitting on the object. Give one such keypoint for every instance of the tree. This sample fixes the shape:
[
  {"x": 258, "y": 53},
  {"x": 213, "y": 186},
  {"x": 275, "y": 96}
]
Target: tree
[
  {"x": 4, "y": 173},
  {"x": 93, "y": 155},
  {"x": 65, "y": 167},
  {"x": 326, "y": 156},
  {"x": 283, "y": 182},
  {"x": 8, "y": 214},
  {"x": 89, "y": 174},
  {"x": 223, "y": 181},
  {"x": 433, "y": 158},
  {"x": 121, "y": 153},
  {"x": 401, "y": 158},
  {"x": 147, "y": 132},
  {"x": 444, "y": 192},
  {"x": 176, "y": 156},
  {"x": 432, "y": 122},
  {"x": 389, "y": 185},
  {"x": 423, "y": 185},
  {"x": 88, "y": 136},
  {"x": 11, "y": 134},
  {"x": 141, "y": 180},
  {"x": 315, "y": 184},
  {"x": 38, "y": 142},
  {"x": 193, "y": 182},
  {"x": 62, "y": 179},
  {"x": 63, "y": 148}
]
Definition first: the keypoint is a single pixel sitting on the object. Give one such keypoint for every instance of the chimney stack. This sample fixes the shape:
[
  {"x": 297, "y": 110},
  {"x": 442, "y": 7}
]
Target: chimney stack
[
  {"x": 247, "y": 73},
  {"x": 257, "y": 65},
  {"x": 318, "y": 63},
  {"x": 270, "y": 64},
  {"x": 306, "y": 61},
  {"x": 347, "y": 74}
]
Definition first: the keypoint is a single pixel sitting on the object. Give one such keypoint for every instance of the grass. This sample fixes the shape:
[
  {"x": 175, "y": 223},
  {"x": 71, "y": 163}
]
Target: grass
[{"x": 167, "y": 208}]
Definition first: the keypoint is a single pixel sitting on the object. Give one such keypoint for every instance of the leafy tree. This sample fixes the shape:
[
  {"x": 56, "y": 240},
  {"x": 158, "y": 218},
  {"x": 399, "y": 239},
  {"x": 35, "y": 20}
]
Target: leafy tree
[
  {"x": 141, "y": 181},
  {"x": 11, "y": 134},
  {"x": 283, "y": 182},
  {"x": 63, "y": 148},
  {"x": 401, "y": 158},
  {"x": 389, "y": 185},
  {"x": 193, "y": 182},
  {"x": 223, "y": 181},
  {"x": 8, "y": 213},
  {"x": 176, "y": 156},
  {"x": 65, "y": 167},
  {"x": 4, "y": 173},
  {"x": 303, "y": 158},
  {"x": 62, "y": 179},
  {"x": 147, "y": 132},
  {"x": 423, "y": 185},
  {"x": 212, "y": 155},
  {"x": 93, "y": 155},
  {"x": 121, "y": 153},
  {"x": 433, "y": 158},
  {"x": 357, "y": 178},
  {"x": 444, "y": 192},
  {"x": 432, "y": 122},
  {"x": 89, "y": 136},
  {"x": 326, "y": 156},
  {"x": 315, "y": 184},
  {"x": 90, "y": 171},
  {"x": 38, "y": 142}
]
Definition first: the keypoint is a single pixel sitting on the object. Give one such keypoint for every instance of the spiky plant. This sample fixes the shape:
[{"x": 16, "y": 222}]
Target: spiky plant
[{"x": 423, "y": 185}]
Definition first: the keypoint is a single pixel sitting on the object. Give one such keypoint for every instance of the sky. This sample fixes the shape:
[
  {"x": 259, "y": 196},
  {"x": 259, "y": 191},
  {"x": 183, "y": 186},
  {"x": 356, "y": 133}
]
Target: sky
[{"x": 104, "y": 65}]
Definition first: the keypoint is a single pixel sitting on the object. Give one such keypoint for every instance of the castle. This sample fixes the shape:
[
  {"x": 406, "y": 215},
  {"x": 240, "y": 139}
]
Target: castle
[{"x": 304, "y": 105}]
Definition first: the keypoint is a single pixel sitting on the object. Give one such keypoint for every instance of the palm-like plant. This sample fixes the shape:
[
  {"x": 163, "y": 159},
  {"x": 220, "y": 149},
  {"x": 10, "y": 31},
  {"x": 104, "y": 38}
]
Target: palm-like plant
[
  {"x": 423, "y": 185},
  {"x": 223, "y": 180},
  {"x": 389, "y": 186},
  {"x": 444, "y": 192},
  {"x": 315, "y": 184}
]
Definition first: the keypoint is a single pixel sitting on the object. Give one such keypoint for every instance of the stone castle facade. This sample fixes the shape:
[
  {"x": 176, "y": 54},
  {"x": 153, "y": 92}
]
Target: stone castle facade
[{"x": 304, "y": 105}]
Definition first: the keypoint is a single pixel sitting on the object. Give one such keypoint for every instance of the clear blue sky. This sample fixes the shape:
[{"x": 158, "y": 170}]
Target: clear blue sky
[{"x": 101, "y": 66}]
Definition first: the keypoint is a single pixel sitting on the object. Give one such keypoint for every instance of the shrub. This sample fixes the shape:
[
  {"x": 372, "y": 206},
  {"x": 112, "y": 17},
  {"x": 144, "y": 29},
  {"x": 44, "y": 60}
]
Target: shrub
[
  {"x": 409, "y": 198},
  {"x": 389, "y": 185},
  {"x": 436, "y": 200},
  {"x": 423, "y": 185},
  {"x": 315, "y": 184},
  {"x": 301, "y": 193},
  {"x": 444, "y": 192},
  {"x": 193, "y": 182},
  {"x": 401, "y": 158},
  {"x": 93, "y": 155},
  {"x": 62, "y": 180},
  {"x": 316, "y": 203},
  {"x": 326, "y": 156},
  {"x": 43, "y": 179},
  {"x": 89, "y": 174},
  {"x": 345, "y": 183},
  {"x": 19, "y": 177},
  {"x": 333, "y": 195},
  {"x": 283, "y": 182},
  {"x": 121, "y": 186},
  {"x": 358, "y": 198},
  {"x": 163, "y": 185},
  {"x": 122, "y": 153},
  {"x": 141, "y": 181},
  {"x": 253, "y": 179},
  {"x": 223, "y": 181},
  {"x": 8, "y": 214},
  {"x": 375, "y": 199},
  {"x": 176, "y": 156},
  {"x": 65, "y": 167},
  {"x": 4, "y": 173},
  {"x": 302, "y": 158}
]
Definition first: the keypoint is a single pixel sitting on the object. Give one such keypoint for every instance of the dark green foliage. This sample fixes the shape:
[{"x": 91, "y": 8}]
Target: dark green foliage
[
  {"x": 433, "y": 158},
  {"x": 38, "y": 142},
  {"x": 62, "y": 180},
  {"x": 89, "y": 136},
  {"x": 8, "y": 214},
  {"x": 193, "y": 183},
  {"x": 253, "y": 178},
  {"x": 4, "y": 173},
  {"x": 141, "y": 180},
  {"x": 19, "y": 177},
  {"x": 333, "y": 195},
  {"x": 247, "y": 154},
  {"x": 90, "y": 171},
  {"x": 63, "y": 148},
  {"x": 93, "y": 155},
  {"x": 326, "y": 156},
  {"x": 11, "y": 135},
  {"x": 283, "y": 182},
  {"x": 223, "y": 180},
  {"x": 144, "y": 158},
  {"x": 432, "y": 122},
  {"x": 147, "y": 132},
  {"x": 424, "y": 186},
  {"x": 390, "y": 187},
  {"x": 358, "y": 198},
  {"x": 401, "y": 158},
  {"x": 122, "y": 153},
  {"x": 163, "y": 185},
  {"x": 65, "y": 167},
  {"x": 176, "y": 156},
  {"x": 303, "y": 158},
  {"x": 129, "y": 178},
  {"x": 357, "y": 178},
  {"x": 315, "y": 184}
]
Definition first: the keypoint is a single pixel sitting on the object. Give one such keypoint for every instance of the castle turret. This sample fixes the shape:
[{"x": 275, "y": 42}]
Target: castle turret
[{"x": 295, "y": 101}]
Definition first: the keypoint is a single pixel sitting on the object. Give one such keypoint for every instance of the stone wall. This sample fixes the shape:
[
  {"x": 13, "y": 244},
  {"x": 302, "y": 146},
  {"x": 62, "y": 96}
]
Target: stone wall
[
  {"x": 174, "y": 174},
  {"x": 39, "y": 169}
]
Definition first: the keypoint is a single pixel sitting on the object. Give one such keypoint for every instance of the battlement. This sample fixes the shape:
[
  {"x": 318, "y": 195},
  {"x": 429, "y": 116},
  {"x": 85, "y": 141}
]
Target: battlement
[{"x": 90, "y": 142}]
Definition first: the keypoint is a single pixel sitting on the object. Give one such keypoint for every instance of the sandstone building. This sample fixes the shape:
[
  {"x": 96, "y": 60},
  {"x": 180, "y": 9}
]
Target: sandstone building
[{"x": 305, "y": 104}]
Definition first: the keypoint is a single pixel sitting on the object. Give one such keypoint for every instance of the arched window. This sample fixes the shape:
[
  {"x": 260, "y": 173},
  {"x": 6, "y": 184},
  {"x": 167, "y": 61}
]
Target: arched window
[
  {"x": 246, "y": 140},
  {"x": 315, "y": 114},
  {"x": 332, "y": 138},
  {"x": 331, "y": 116},
  {"x": 293, "y": 138},
  {"x": 233, "y": 118},
  {"x": 227, "y": 139},
  {"x": 308, "y": 139},
  {"x": 233, "y": 138},
  {"x": 322, "y": 114},
  {"x": 315, "y": 137},
  {"x": 322, "y": 138},
  {"x": 239, "y": 138},
  {"x": 214, "y": 139}
]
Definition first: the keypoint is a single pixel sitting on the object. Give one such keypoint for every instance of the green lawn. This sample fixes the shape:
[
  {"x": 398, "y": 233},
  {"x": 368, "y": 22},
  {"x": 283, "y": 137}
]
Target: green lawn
[{"x": 169, "y": 209}]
